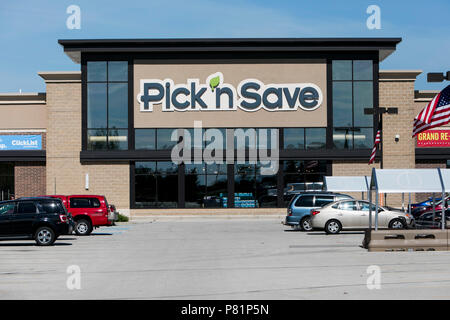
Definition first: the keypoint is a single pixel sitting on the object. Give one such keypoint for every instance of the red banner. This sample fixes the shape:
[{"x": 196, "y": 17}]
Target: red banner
[{"x": 433, "y": 138}]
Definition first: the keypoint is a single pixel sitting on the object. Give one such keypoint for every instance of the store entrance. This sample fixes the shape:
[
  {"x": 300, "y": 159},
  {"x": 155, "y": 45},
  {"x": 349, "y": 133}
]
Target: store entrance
[{"x": 6, "y": 181}]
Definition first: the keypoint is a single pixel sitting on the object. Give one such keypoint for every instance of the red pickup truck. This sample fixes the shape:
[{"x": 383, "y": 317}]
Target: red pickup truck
[{"x": 88, "y": 212}]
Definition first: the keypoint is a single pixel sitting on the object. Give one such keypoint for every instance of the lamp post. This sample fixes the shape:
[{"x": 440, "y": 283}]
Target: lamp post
[
  {"x": 438, "y": 76},
  {"x": 379, "y": 113}
]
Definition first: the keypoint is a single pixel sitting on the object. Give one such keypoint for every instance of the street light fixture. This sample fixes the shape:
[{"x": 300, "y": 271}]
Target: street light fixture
[{"x": 438, "y": 76}]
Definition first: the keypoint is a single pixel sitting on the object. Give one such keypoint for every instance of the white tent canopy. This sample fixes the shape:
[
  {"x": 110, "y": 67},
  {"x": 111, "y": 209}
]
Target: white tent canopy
[
  {"x": 347, "y": 183},
  {"x": 445, "y": 173},
  {"x": 406, "y": 180}
]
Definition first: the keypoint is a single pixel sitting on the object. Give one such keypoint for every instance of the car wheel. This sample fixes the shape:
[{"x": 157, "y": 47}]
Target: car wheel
[
  {"x": 83, "y": 227},
  {"x": 333, "y": 227},
  {"x": 306, "y": 224},
  {"x": 396, "y": 224},
  {"x": 44, "y": 236}
]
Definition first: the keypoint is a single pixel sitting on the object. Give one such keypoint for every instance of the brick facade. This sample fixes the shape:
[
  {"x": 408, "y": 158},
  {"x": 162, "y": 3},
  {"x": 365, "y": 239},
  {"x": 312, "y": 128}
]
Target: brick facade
[
  {"x": 396, "y": 89},
  {"x": 65, "y": 173},
  {"x": 29, "y": 179}
]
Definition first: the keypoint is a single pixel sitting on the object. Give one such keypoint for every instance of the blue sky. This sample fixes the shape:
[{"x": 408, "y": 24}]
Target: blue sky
[{"x": 29, "y": 30}]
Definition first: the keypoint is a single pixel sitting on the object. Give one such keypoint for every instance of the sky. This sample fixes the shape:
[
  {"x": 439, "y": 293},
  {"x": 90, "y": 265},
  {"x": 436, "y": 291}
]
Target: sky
[{"x": 29, "y": 30}]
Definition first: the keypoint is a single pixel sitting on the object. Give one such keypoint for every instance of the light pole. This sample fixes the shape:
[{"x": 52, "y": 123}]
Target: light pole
[{"x": 379, "y": 113}]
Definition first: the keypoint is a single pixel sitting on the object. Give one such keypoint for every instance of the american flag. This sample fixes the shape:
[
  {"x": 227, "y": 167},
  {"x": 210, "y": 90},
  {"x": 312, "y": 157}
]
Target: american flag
[
  {"x": 375, "y": 146},
  {"x": 435, "y": 114}
]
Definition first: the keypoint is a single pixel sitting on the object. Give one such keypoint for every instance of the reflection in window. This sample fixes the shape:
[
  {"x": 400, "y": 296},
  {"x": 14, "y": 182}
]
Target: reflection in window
[
  {"x": 253, "y": 190},
  {"x": 156, "y": 184},
  {"x": 315, "y": 138},
  {"x": 107, "y": 105},
  {"x": 301, "y": 176},
  {"x": 145, "y": 139},
  {"x": 206, "y": 186},
  {"x": 294, "y": 138},
  {"x": 352, "y": 91}
]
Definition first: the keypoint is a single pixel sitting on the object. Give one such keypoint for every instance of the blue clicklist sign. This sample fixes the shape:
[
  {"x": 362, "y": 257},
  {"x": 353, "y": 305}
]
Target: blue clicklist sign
[{"x": 20, "y": 142}]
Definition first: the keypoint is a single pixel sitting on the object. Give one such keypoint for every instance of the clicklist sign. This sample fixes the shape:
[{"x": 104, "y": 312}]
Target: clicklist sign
[
  {"x": 20, "y": 142},
  {"x": 216, "y": 95}
]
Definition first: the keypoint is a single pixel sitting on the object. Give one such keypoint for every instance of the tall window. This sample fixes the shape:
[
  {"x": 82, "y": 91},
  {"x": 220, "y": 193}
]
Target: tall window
[
  {"x": 107, "y": 105},
  {"x": 352, "y": 93}
]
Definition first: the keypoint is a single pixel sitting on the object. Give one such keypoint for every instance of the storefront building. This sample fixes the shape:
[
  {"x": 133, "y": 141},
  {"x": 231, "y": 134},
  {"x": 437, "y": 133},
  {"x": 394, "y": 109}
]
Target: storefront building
[{"x": 107, "y": 129}]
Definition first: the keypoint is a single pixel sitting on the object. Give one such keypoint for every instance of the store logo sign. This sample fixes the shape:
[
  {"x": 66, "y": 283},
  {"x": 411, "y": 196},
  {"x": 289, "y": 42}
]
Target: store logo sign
[{"x": 216, "y": 95}]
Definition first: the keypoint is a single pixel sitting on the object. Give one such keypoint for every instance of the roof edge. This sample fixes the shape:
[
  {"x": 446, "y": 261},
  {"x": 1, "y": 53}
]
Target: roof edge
[
  {"x": 399, "y": 75},
  {"x": 60, "y": 76}
]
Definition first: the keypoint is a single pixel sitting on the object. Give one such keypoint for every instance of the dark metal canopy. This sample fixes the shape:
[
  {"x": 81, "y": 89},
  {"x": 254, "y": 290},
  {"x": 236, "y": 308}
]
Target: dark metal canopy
[{"x": 384, "y": 46}]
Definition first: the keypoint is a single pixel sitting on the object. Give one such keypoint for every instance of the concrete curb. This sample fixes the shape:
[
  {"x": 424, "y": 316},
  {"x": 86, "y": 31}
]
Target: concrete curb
[{"x": 140, "y": 219}]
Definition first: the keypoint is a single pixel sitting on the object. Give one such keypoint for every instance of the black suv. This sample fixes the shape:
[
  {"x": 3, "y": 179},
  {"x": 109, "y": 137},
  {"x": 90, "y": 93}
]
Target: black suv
[{"x": 41, "y": 219}]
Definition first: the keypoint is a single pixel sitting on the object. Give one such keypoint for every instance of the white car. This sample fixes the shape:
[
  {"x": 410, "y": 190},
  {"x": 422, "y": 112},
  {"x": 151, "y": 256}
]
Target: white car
[{"x": 354, "y": 214}]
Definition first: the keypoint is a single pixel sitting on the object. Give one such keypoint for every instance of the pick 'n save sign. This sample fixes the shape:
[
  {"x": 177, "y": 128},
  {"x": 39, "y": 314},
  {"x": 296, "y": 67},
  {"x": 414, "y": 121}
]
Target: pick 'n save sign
[{"x": 433, "y": 138}]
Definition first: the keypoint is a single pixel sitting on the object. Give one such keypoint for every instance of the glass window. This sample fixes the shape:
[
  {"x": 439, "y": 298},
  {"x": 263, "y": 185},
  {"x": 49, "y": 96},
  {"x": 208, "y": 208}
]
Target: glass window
[
  {"x": 145, "y": 139},
  {"x": 266, "y": 189},
  {"x": 362, "y": 70},
  {"x": 363, "y": 138},
  {"x": 195, "y": 143},
  {"x": 80, "y": 203},
  {"x": 305, "y": 201},
  {"x": 26, "y": 207},
  {"x": 148, "y": 167},
  {"x": 363, "y": 98},
  {"x": 364, "y": 206},
  {"x": 95, "y": 203},
  {"x": 323, "y": 200},
  {"x": 96, "y": 71},
  {"x": 156, "y": 184},
  {"x": 244, "y": 137},
  {"x": 117, "y": 139},
  {"x": 50, "y": 207},
  {"x": 118, "y": 71},
  {"x": 342, "y": 104},
  {"x": 352, "y": 94},
  {"x": 166, "y": 167},
  {"x": 118, "y": 105},
  {"x": 294, "y": 138},
  {"x": 97, "y": 139},
  {"x": 348, "y": 205},
  {"x": 163, "y": 139},
  {"x": 107, "y": 105},
  {"x": 343, "y": 138},
  {"x": 342, "y": 69},
  {"x": 316, "y": 138},
  {"x": 97, "y": 109},
  {"x": 7, "y": 208}
]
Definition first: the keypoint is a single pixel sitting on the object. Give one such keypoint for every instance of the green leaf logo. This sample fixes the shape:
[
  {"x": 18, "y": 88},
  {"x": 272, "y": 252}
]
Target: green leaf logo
[{"x": 214, "y": 82}]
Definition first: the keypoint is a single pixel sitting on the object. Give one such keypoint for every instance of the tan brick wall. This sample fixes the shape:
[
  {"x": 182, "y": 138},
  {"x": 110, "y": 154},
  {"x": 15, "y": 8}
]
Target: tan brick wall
[
  {"x": 65, "y": 173},
  {"x": 398, "y": 155},
  {"x": 29, "y": 179}
]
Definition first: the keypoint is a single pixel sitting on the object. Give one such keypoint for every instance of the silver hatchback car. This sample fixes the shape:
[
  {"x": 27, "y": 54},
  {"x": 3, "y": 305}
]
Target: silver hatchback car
[{"x": 354, "y": 214}]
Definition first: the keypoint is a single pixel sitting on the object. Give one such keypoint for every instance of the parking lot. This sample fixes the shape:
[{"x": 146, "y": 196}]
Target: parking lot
[{"x": 217, "y": 259}]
